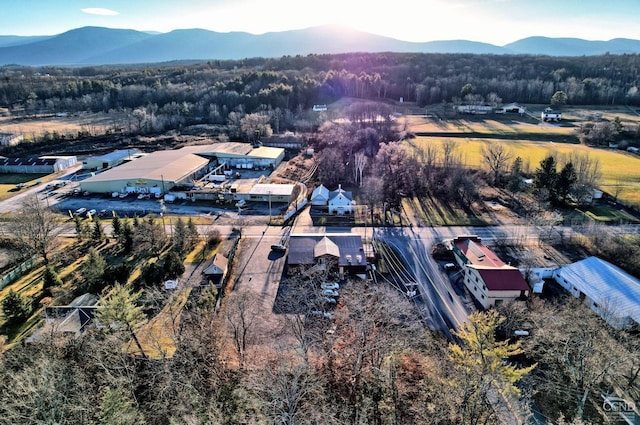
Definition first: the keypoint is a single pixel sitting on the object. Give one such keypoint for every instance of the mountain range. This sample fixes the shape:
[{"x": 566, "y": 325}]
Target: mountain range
[{"x": 103, "y": 46}]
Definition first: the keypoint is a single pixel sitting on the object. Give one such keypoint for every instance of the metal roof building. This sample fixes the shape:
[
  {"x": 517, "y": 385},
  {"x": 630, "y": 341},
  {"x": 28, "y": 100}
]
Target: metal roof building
[
  {"x": 605, "y": 288},
  {"x": 110, "y": 159},
  {"x": 307, "y": 249},
  {"x": 155, "y": 173},
  {"x": 160, "y": 171}
]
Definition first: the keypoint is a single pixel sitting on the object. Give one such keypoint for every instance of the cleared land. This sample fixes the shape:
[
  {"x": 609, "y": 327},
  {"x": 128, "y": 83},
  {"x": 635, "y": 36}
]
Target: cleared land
[{"x": 35, "y": 126}]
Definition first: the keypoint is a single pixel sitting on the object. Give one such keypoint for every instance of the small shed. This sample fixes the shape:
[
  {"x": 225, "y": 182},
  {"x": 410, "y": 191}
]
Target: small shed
[{"x": 216, "y": 269}]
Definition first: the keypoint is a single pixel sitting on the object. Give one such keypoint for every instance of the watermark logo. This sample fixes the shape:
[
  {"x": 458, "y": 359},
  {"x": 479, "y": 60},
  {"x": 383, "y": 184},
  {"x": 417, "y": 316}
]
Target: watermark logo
[{"x": 618, "y": 405}]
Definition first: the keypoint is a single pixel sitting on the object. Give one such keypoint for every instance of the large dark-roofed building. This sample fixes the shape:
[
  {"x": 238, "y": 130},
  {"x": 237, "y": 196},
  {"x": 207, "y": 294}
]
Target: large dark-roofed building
[
  {"x": 311, "y": 249},
  {"x": 32, "y": 164}
]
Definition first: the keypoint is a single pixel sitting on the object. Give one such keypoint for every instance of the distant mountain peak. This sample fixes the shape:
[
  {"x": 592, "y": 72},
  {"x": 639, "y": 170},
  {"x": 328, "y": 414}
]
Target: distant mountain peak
[{"x": 92, "y": 45}]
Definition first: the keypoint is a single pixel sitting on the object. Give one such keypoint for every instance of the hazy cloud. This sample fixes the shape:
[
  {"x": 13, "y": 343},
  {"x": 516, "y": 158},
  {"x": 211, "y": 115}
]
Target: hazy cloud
[{"x": 100, "y": 11}]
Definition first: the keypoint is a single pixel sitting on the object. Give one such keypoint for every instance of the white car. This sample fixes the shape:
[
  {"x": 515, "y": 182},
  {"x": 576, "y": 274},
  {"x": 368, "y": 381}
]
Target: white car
[
  {"x": 329, "y": 300},
  {"x": 450, "y": 266},
  {"x": 329, "y": 285},
  {"x": 81, "y": 211},
  {"x": 330, "y": 293},
  {"x": 91, "y": 213}
]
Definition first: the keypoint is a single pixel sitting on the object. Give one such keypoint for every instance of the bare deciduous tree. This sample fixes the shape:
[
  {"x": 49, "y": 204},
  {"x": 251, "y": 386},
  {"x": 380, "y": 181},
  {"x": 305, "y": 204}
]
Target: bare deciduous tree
[
  {"x": 241, "y": 313},
  {"x": 496, "y": 156},
  {"x": 359, "y": 163},
  {"x": 35, "y": 227}
]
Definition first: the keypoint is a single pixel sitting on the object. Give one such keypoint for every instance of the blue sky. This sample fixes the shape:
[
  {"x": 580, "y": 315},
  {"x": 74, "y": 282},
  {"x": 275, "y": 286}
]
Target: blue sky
[{"x": 493, "y": 21}]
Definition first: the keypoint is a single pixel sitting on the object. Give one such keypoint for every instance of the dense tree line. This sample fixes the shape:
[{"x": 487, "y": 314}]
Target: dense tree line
[{"x": 170, "y": 96}]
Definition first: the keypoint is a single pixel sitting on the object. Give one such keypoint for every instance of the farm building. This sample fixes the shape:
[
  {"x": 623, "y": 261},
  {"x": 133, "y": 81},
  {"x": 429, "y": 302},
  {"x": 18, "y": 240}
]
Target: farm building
[
  {"x": 110, "y": 160},
  {"x": 511, "y": 108},
  {"x": 320, "y": 196},
  {"x": 550, "y": 115},
  {"x": 490, "y": 281},
  {"x": 10, "y": 139},
  {"x": 338, "y": 252},
  {"x": 35, "y": 165},
  {"x": 606, "y": 289},
  {"x": 474, "y": 109},
  {"x": 341, "y": 202}
]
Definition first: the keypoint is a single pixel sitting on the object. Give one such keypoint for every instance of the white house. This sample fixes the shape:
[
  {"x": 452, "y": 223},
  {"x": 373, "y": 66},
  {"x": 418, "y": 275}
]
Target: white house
[
  {"x": 490, "y": 281},
  {"x": 320, "y": 196},
  {"x": 341, "y": 202},
  {"x": 550, "y": 115},
  {"x": 606, "y": 289}
]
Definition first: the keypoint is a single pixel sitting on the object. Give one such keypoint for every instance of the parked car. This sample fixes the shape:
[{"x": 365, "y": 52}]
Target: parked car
[
  {"x": 80, "y": 211},
  {"x": 329, "y": 300},
  {"x": 330, "y": 293},
  {"x": 450, "y": 266},
  {"x": 91, "y": 213},
  {"x": 278, "y": 247},
  {"x": 329, "y": 285}
]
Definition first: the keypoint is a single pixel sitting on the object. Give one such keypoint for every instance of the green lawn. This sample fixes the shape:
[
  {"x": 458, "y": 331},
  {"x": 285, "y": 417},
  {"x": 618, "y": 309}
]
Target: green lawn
[{"x": 607, "y": 214}]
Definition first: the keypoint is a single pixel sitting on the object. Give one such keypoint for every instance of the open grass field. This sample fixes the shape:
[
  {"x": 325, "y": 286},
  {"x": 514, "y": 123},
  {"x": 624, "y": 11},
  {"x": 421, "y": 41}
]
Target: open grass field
[{"x": 619, "y": 168}]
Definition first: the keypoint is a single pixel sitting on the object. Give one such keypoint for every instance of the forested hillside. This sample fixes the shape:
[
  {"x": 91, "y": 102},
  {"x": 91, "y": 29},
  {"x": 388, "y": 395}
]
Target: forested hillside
[{"x": 209, "y": 92}]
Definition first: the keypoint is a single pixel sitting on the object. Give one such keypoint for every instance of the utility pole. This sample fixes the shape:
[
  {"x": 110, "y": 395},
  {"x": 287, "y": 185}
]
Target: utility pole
[{"x": 269, "y": 207}]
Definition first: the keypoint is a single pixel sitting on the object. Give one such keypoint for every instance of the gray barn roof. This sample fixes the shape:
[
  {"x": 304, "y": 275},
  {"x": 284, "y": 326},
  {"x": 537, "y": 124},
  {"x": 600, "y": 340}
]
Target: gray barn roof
[{"x": 605, "y": 283}]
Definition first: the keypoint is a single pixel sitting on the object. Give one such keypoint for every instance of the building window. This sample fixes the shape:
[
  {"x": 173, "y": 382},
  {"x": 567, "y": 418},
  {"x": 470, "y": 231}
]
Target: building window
[
  {"x": 498, "y": 302},
  {"x": 475, "y": 288},
  {"x": 483, "y": 297}
]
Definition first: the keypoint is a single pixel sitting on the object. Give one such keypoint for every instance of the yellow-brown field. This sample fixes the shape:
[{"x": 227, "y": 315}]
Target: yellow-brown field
[
  {"x": 31, "y": 127},
  {"x": 619, "y": 169}
]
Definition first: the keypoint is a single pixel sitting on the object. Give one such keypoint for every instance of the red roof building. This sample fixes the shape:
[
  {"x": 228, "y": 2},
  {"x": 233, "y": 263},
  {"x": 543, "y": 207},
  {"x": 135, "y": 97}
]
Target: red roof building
[{"x": 487, "y": 277}]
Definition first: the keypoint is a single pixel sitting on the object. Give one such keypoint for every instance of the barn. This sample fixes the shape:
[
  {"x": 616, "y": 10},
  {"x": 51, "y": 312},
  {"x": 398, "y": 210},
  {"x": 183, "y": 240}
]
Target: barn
[{"x": 606, "y": 289}]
